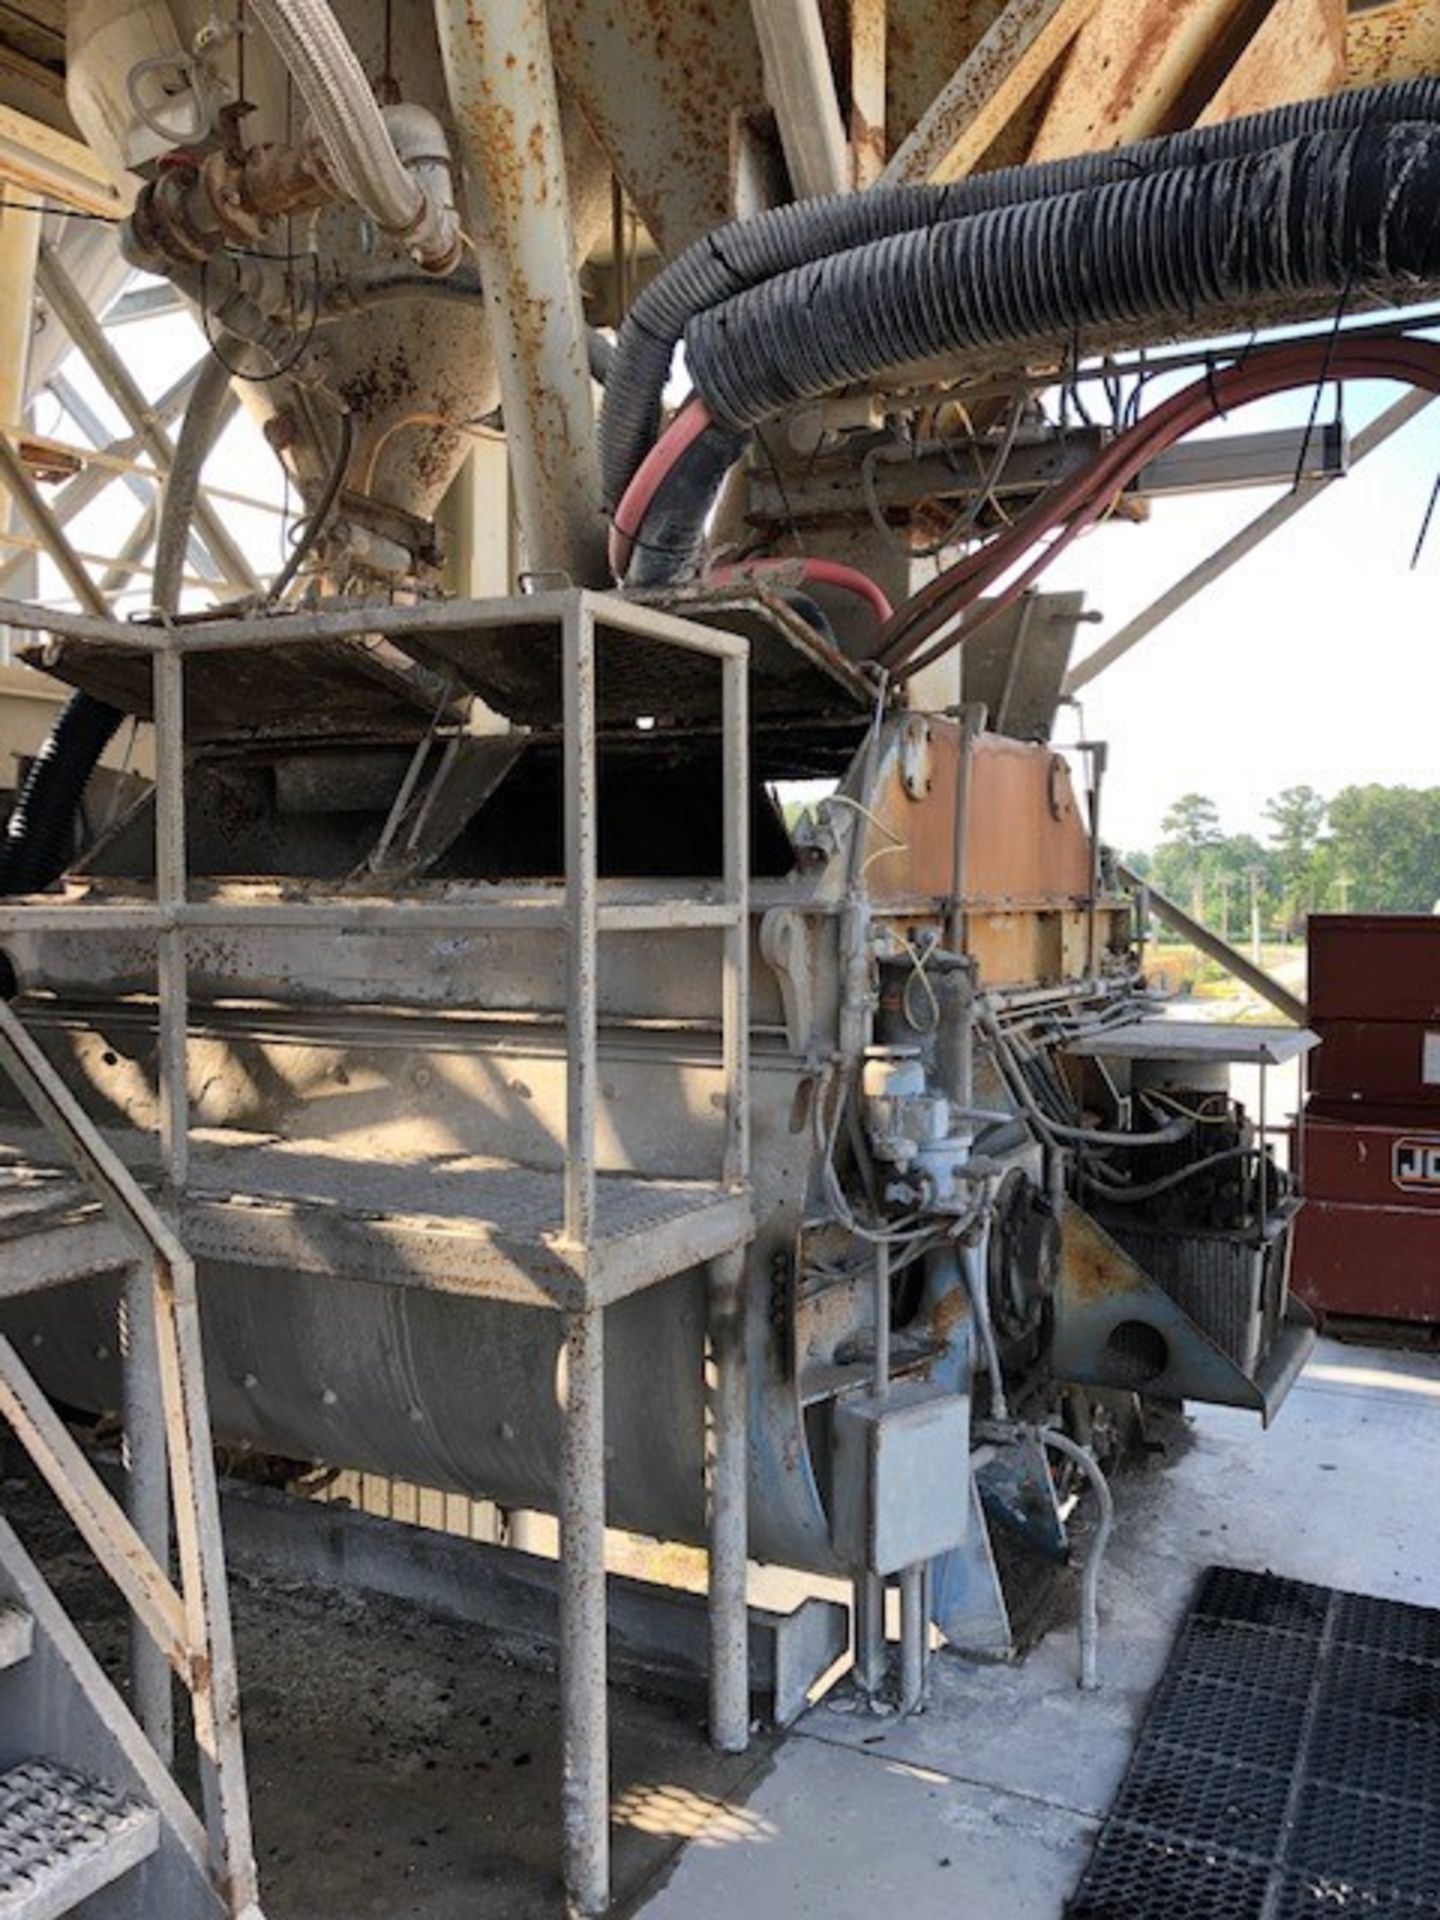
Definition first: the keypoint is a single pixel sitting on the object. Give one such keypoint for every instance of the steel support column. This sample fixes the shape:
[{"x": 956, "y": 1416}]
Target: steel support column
[
  {"x": 584, "y": 1712},
  {"x": 800, "y": 83},
  {"x": 19, "y": 249},
  {"x": 147, "y": 1499},
  {"x": 729, "y": 1510},
  {"x": 502, "y": 87}
]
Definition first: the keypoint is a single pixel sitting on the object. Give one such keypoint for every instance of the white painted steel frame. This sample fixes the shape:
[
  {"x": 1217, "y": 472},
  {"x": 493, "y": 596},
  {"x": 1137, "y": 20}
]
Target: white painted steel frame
[{"x": 578, "y": 615}]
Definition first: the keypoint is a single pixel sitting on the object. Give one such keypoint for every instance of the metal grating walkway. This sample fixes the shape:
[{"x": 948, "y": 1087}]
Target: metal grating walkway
[
  {"x": 1288, "y": 1768},
  {"x": 63, "y": 1838}
]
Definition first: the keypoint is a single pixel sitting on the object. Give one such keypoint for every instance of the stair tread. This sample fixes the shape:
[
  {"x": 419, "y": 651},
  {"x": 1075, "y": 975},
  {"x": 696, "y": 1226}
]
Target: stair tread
[
  {"x": 63, "y": 1837},
  {"x": 17, "y": 1633}
]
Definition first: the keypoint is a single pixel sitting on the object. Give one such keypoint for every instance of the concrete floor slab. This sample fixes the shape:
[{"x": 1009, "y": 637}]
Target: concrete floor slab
[
  {"x": 850, "y": 1835},
  {"x": 402, "y": 1766},
  {"x": 1336, "y": 1492}
]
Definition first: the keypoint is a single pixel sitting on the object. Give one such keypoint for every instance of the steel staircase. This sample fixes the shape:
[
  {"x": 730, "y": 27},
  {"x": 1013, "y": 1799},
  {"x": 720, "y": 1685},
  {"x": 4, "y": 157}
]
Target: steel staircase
[{"x": 88, "y": 1812}]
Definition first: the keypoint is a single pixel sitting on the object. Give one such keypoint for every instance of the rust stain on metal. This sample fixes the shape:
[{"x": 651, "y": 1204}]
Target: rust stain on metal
[
  {"x": 1027, "y": 844},
  {"x": 1299, "y": 52},
  {"x": 657, "y": 81},
  {"x": 948, "y": 1313},
  {"x": 1125, "y": 73},
  {"x": 1091, "y": 1267},
  {"x": 1398, "y": 42}
]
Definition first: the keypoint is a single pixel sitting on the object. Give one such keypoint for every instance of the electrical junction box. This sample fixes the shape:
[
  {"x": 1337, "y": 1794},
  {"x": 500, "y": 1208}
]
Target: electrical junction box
[{"x": 901, "y": 1489}]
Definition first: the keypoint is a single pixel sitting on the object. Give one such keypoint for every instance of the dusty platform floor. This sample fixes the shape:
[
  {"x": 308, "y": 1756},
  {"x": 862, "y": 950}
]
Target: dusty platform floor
[{"x": 403, "y": 1770}]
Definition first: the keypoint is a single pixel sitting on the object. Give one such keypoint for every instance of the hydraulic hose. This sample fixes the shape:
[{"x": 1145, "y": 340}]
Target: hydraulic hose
[
  {"x": 39, "y": 836},
  {"x": 359, "y": 145},
  {"x": 1082, "y": 1458},
  {"x": 1054, "y": 1130},
  {"x": 747, "y": 253}
]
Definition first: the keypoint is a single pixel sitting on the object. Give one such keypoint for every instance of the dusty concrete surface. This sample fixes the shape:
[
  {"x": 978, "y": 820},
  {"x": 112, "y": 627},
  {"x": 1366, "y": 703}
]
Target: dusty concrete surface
[
  {"x": 401, "y": 1768},
  {"x": 404, "y": 1770},
  {"x": 987, "y": 1803}
]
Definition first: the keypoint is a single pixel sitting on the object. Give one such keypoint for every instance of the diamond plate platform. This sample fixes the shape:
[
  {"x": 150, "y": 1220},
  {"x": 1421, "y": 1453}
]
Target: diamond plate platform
[
  {"x": 1289, "y": 1765},
  {"x": 63, "y": 1838}
]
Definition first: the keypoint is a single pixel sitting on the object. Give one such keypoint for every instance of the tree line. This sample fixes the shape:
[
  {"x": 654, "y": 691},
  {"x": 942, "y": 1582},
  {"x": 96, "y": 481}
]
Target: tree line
[{"x": 1372, "y": 849}]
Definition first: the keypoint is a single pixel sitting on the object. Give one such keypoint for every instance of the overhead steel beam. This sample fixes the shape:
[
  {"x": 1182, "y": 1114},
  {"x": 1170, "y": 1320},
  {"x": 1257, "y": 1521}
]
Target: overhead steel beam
[
  {"x": 869, "y": 68},
  {"x": 1234, "y": 550},
  {"x": 501, "y": 81},
  {"x": 89, "y": 485},
  {"x": 979, "y": 99},
  {"x": 42, "y": 523},
  {"x": 1395, "y": 42},
  {"x": 53, "y": 166},
  {"x": 145, "y": 303},
  {"x": 141, "y": 489},
  {"x": 130, "y": 559},
  {"x": 89, "y": 336},
  {"x": 800, "y": 85},
  {"x": 1126, "y": 72},
  {"x": 1296, "y": 53},
  {"x": 1220, "y": 951}
]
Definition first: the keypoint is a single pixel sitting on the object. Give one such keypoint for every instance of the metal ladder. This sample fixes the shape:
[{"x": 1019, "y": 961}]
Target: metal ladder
[{"x": 88, "y": 1805}]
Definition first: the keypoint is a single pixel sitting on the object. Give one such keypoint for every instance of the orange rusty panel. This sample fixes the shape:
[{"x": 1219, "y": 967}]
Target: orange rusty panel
[
  {"x": 1397, "y": 42},
  {"x": 1126, "y": 72},
  {"x": 1039, "y": 948},
  {"x": 1298, "y": 54},
  {"x": 1027, "y": 840}
]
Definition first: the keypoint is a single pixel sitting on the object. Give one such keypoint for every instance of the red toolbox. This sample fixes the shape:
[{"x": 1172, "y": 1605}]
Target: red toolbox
[{"x": 1367, "y": 1241}]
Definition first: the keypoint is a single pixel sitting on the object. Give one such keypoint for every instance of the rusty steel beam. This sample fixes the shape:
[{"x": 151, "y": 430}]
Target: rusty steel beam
[
  {"x": 1296, "y": 53},
  {"x": 1127, "y": 72},
  {"x": 800, "y": 85},
  {"x": 1396, "y": 42},
  {"x": 501, "y": 80},
  {"x": 982, "y": 96},
  {"x": 659, "y": 87},
  {"x": 869, "y": 61}
]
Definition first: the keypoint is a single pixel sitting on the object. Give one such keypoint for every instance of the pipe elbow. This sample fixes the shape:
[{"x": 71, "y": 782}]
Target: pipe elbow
[{"x": 433, "y": 238}]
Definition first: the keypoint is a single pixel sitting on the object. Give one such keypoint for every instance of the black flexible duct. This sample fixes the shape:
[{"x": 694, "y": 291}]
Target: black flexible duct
[
  {"x": 1313, "y": 218},
  {"x": 39, "y": 837},
  {"x": 747, "y": 253}
]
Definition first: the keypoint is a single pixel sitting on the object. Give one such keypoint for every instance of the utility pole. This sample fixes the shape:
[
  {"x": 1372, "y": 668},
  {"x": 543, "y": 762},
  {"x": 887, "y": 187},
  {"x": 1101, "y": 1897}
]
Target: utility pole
[{"x": 1255, "y": 915}]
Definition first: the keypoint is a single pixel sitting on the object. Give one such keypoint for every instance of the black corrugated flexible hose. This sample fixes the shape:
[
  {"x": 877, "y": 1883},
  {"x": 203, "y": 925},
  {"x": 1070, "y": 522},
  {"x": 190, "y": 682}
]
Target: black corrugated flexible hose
[
  {"x": 1315, "y": 218},
  {"x": 746, "y": 253}
]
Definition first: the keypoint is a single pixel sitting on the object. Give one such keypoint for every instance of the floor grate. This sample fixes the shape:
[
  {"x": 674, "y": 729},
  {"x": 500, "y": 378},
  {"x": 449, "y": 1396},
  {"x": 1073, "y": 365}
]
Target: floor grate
[{"x": 1288, "y": 1767}]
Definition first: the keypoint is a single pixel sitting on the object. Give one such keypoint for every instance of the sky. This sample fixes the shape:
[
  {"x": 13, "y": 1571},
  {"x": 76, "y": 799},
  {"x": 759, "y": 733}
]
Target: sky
[{"x": 1314, "y": 661}]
